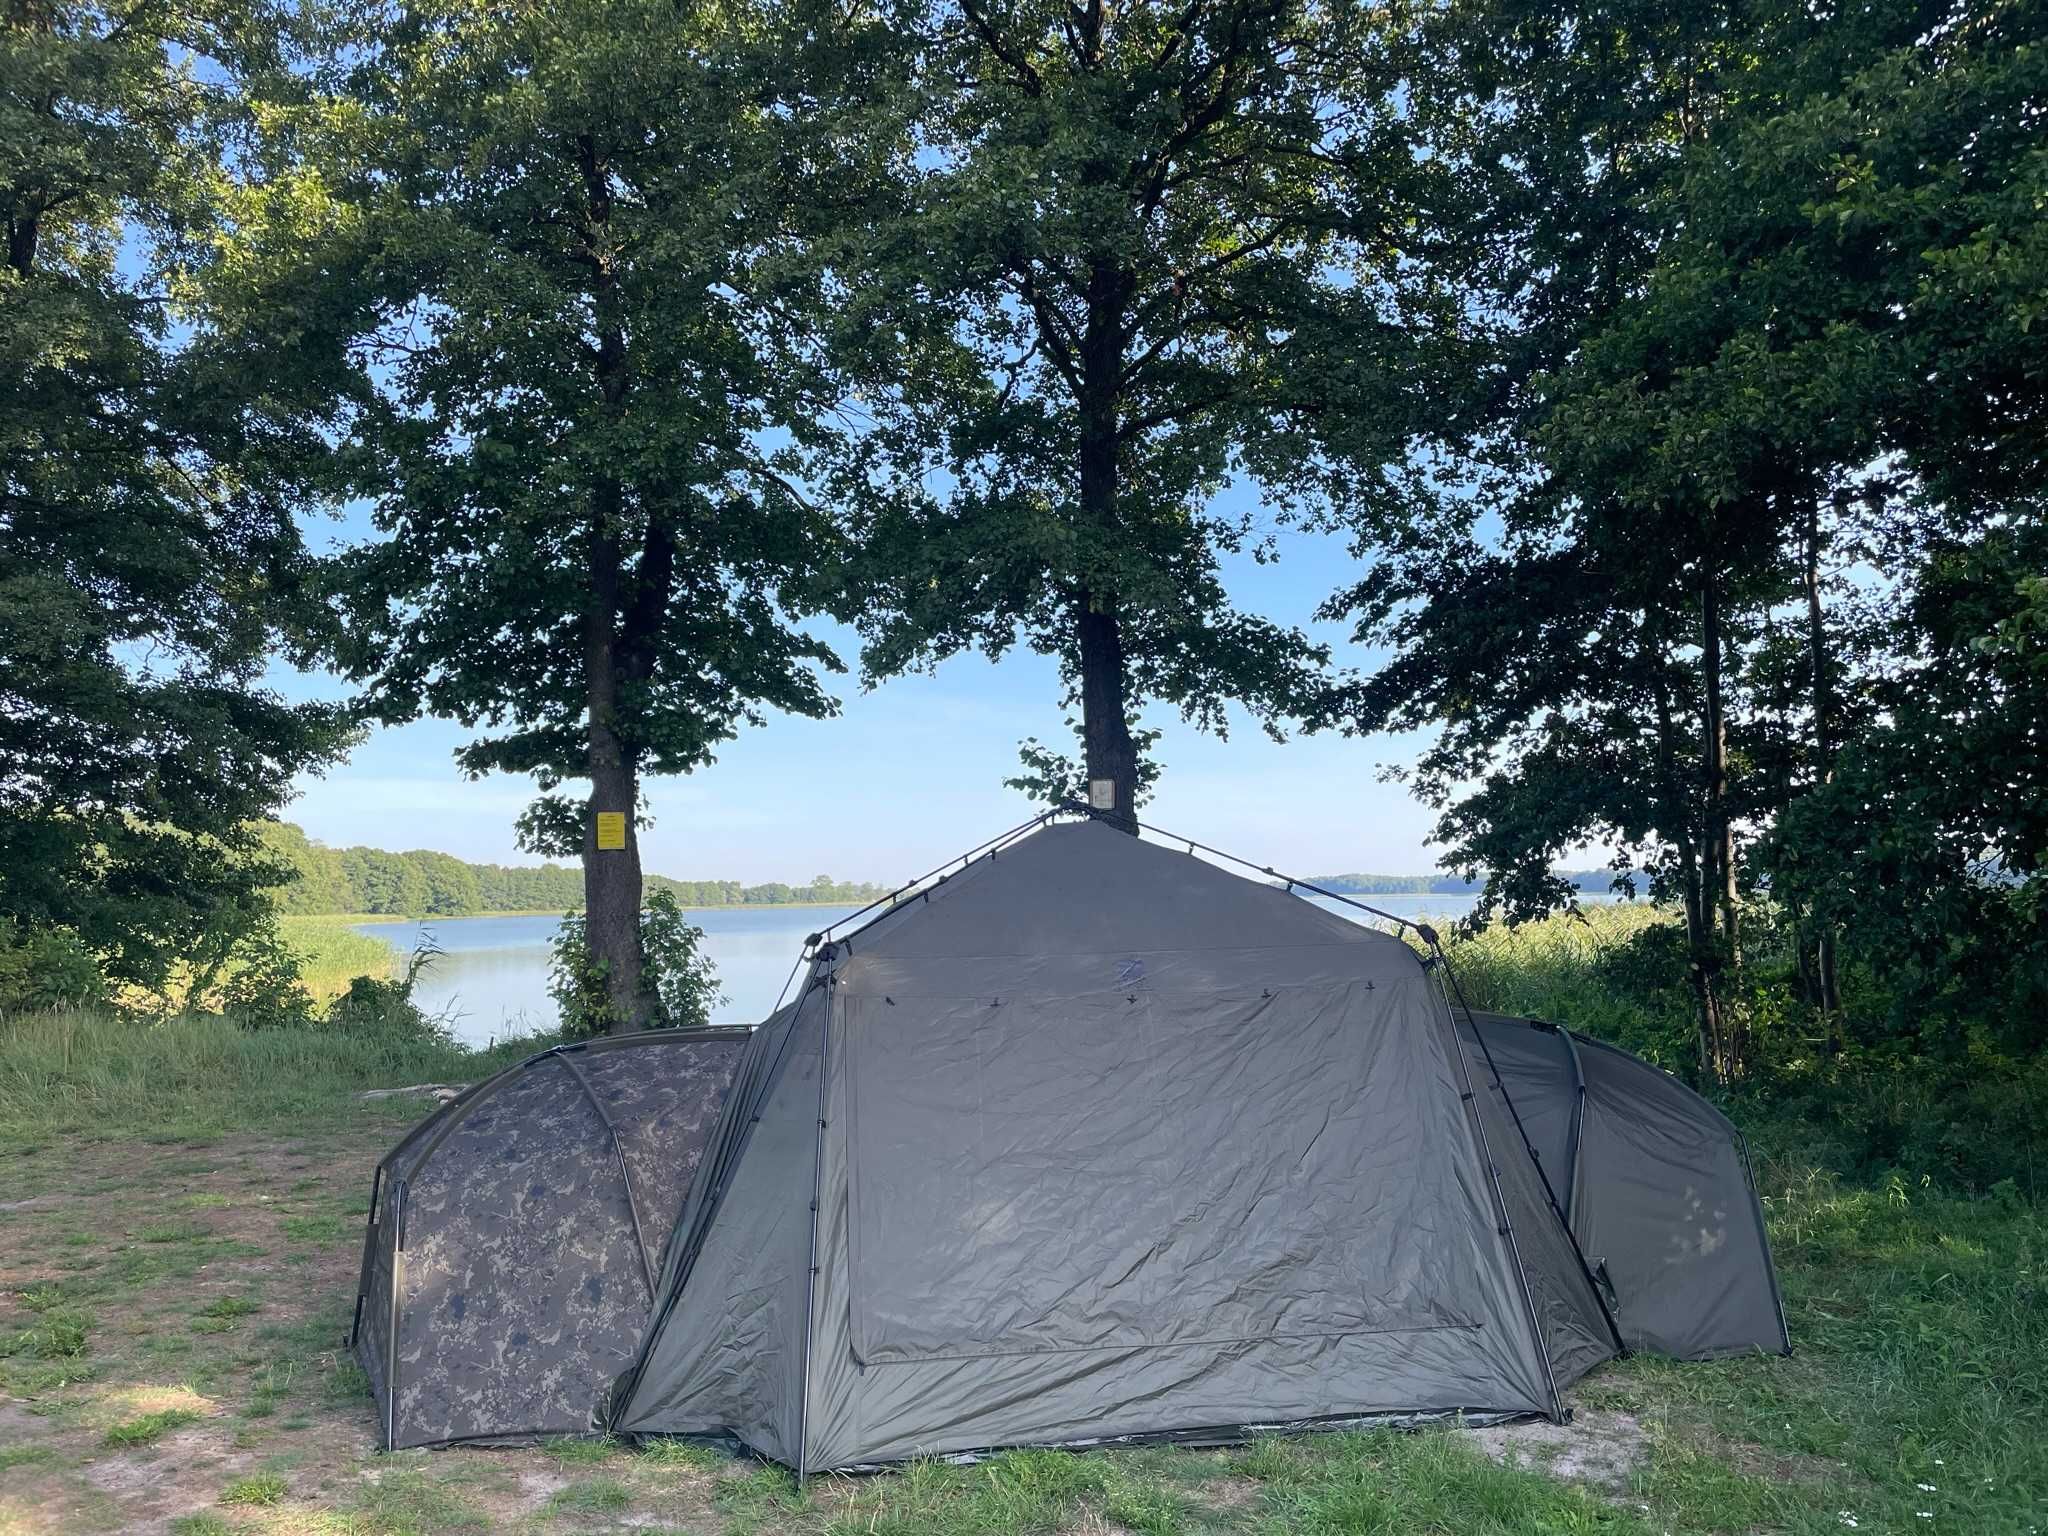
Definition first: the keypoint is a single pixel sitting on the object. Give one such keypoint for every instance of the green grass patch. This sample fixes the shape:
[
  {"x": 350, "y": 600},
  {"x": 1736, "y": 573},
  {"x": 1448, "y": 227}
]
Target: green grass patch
[
  {"x": 90, "y": 1074},
  {"x": 231, "y": 1306},
  {"x": 38, "y": 1379},
  {"x": 595, "y": 1496},
  {"x": 405, "y": 1501},
  {"x": 206, "y": 1200},
  {"x": 60, "y": 1333},
  {"x": 683, "y": 1454},
  {"x": 1921, "y": 1323},
  {"x": 201, "y": 1525},
  {"x": 25, "y": 1456},
  {"x": 318, "y": 1227},
  {"x": 259, "y": 1488},
  {"x": 148, "y": 1428},
  {"x": 580, "y": 1450},
  {"x": 171, "y": 1232},
  {"x": 346, "y": 1383}
]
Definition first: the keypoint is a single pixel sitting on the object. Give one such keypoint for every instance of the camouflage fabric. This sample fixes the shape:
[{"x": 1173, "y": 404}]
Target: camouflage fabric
[{"x": 524, "y": 1221}]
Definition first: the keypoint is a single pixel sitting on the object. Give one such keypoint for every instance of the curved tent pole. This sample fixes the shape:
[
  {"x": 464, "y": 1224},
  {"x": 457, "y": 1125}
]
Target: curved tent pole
[
  {"x": 1074, "y": 807},
  {"x": 897, "y": 897},
  {"x": 625, "y": 1171}
]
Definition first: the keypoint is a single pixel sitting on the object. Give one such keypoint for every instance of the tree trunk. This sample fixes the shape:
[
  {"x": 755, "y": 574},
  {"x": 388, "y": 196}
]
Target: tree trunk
[
  {"x": 1703, "y": 959},
  {"x": 1720, "y": 825},
  {"x": 1828, "y": 993},
  {"x": 611, "y": 876},
  {"x": 1106, "y": 743},
  {"x": 1105, "y": 733}
]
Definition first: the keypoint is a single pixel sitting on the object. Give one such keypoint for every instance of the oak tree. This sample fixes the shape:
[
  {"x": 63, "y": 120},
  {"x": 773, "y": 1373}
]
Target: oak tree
[
  {"x": 1143, "y": 253},
  {"x": 586, "y": 387}
]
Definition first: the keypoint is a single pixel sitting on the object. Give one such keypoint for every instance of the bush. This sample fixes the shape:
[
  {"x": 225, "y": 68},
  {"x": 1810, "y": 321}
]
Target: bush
[
  {"x": 681, "y": 977},
  {"x": 46, "y": 967},
  {"x": 384, "y": 1006},
  {"x": 261, "y": 989}
]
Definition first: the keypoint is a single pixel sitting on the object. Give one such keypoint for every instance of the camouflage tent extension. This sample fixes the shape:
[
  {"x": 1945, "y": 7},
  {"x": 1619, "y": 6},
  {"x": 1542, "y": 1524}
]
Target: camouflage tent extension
[
  {"x": 515, "y": 1235},
  {"x": 1092, "y": 1141}
]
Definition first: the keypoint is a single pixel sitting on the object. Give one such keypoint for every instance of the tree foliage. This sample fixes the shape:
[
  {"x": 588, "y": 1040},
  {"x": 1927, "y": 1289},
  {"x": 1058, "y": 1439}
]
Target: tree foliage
[
  {"x": 1142, "y": 254},
  {"x": 569, "y": 252},
  {"x": 154, "y": 448},
  {"x": 423, "y": 883},
  {"x": 1741, "y": 600}
]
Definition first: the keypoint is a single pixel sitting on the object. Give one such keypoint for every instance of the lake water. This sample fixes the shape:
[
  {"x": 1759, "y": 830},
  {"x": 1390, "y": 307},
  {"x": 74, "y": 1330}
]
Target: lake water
[{"x": 491, "y": 977}]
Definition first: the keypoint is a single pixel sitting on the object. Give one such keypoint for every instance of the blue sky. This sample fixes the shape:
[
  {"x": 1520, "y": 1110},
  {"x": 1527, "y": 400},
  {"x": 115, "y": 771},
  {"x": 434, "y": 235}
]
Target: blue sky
[{"x": 912, "y": 773}]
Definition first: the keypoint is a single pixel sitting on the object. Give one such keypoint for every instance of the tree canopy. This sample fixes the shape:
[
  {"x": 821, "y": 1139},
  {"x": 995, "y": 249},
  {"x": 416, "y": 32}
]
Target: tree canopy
[
  {"x": 1139, "y": 255},
  {"x": 568, "y": 247},
  {"x": 1764, "y": 475},
  {"x": 153, "y": 446}
]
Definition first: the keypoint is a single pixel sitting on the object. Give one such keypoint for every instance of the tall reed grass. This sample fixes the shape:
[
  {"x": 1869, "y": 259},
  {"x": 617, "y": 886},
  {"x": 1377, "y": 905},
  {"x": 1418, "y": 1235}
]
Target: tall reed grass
[{"x": 332, "y": 953}]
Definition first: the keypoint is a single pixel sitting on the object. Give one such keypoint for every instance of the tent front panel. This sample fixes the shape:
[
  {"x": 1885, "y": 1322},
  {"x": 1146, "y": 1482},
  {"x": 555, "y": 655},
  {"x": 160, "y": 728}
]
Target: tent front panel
[
  {"x": 663, "y": 1108},
  {"x": 728, "y": 1355},
  {"x": 1665, "y": 1201},
  {"x": 517, "y": 1259},
  {"x": 1575, "y": 1329},
  {"x": 1055, "y": 1222}
]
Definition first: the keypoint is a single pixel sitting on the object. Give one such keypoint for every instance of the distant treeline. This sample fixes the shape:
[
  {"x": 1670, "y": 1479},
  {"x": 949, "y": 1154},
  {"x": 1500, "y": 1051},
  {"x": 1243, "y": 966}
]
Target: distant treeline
[
  {"x": 423, "y": 883},
  {"x": 1593, "y": 881}
]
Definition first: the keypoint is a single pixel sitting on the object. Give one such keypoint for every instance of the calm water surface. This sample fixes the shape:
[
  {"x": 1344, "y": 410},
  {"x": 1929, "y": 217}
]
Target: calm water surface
[{"x": 491, "y": 978}]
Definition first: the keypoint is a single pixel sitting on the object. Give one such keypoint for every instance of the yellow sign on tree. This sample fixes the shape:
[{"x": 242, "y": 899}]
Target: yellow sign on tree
[{"x": 611, "y": 829}]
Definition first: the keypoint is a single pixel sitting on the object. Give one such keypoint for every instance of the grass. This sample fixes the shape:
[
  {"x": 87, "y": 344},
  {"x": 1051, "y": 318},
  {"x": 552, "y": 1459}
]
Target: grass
[
  {"x": 57, "y": 1334},
  {"x": 148, "y": 1428},
  {"x": 598, "y": 1495},
  {"x": 230, "y": 1307},
  {"x": 97, "y": 1075},
  {"x": 259, "y": 1488},
  {"x": 331, "y": 951}
]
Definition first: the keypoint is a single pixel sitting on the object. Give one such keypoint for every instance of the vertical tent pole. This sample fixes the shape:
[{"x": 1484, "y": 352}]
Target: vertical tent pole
[
  {"x": 803, "y": 1406},
  {"x": 391, "y": 1339},
  {"x": 1571, "y": 1047}
]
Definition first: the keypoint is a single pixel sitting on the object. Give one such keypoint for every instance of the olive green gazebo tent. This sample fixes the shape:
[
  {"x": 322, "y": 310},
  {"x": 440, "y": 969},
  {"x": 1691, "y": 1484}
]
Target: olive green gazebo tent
[{"x": 1092, "y": 1141}]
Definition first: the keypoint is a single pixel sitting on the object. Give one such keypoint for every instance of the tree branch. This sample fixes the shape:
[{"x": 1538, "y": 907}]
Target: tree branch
[{"x": 994, "y": 42}]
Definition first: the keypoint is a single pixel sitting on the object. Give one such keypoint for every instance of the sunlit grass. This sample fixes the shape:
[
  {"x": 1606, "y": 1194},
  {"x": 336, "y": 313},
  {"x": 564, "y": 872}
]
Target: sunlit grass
[
  {"x": 195, "y": 1076},
  {"x": 331, "y": 952}
]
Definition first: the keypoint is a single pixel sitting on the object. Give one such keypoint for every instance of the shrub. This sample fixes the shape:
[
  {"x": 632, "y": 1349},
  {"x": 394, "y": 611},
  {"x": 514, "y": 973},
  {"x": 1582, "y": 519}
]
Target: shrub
[
  {"x": 261, "y": 989},
  {"x": 45, "y": 967},
  {"x": 680, "y": 976},
  {"x": 383, "y": 1005}
]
